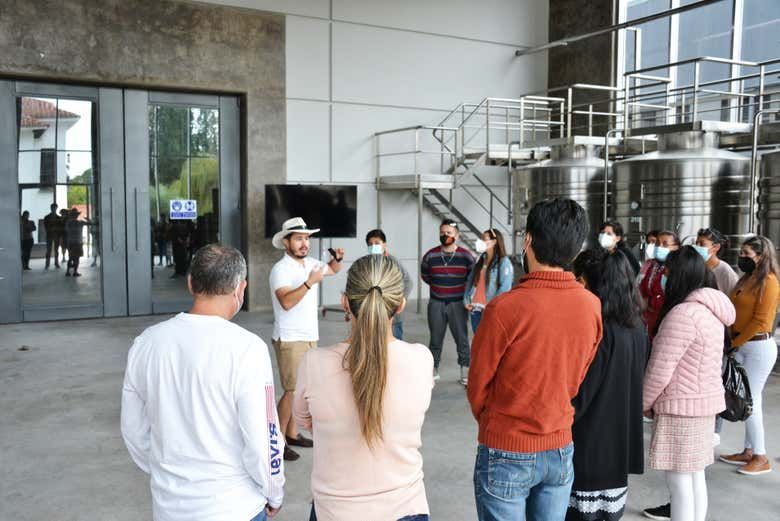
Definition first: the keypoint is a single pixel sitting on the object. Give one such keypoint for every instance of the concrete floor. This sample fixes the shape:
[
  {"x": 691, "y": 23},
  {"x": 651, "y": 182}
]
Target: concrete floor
[
  {"x": 42, "y": 288},
  {"x": 62, "y": 456}
]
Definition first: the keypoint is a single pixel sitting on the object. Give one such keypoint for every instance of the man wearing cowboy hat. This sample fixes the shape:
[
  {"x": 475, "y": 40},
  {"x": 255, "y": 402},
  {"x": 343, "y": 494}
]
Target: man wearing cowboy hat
[{"x": 294, "y": 283}]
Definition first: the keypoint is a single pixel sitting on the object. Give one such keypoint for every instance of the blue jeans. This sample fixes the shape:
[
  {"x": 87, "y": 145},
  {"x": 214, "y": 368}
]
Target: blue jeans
[
  {"x": 262, "y": 516},
  {"x": 515, "y": 486},
  {"x": 398, "y": 330},
  {"x": 418, "y": 517},
  {"x": 476, "y": 318}
]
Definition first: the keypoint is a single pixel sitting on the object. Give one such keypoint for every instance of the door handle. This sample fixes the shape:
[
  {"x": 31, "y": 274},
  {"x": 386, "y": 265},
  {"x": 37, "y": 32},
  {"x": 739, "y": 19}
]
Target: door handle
[
  {"x": 135, "y": 213},
  {"x": 111, "y": 215}
]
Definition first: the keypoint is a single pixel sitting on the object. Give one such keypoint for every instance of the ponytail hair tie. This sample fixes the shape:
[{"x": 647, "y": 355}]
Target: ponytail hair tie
[{"x": 379, "y": 289}]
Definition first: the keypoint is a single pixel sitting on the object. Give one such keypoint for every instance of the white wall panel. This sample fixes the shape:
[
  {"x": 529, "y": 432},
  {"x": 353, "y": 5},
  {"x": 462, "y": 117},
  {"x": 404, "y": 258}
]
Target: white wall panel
[
  {"x": 390, "y": 67},
  {"x": 518, "y": 22},
  {"x": 308, "y": 141},
  {"x": 320, "y": 8},
  {"x": 354, "y": 127},
  {"x": 308, "y": 58}
]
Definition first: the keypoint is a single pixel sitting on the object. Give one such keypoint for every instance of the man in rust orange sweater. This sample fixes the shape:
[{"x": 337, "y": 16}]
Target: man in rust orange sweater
[{"x": 529, "y": 356}]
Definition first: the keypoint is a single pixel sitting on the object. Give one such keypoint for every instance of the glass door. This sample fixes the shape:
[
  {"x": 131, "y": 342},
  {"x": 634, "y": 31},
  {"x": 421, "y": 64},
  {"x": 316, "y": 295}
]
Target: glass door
[
  {"x": 189, "y": 190},
  {"x": 91, "y": 176},
  {"x": 50, "y": 147}
]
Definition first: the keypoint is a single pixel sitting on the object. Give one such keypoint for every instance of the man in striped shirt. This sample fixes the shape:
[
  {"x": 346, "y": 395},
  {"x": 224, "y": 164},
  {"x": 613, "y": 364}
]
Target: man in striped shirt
[{"x": 445, "y": 269}]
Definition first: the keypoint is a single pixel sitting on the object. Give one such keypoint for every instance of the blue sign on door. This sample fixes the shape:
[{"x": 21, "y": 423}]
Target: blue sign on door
[{"x": 184, "y": 209}]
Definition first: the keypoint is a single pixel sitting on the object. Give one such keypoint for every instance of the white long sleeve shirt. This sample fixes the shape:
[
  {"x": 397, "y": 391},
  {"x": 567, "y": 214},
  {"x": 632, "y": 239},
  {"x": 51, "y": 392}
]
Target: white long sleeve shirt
[{"x": 199, "y": 415}]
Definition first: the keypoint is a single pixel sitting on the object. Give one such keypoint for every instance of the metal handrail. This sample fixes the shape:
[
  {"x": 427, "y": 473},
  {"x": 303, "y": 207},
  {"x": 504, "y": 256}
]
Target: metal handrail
[
  {"x": 712, "y": 59},
  {"x": 479, "y": 203},
  {"x": 415, "y": 127},
  {"x": 490, "y": 191},
  {"x": 754, "y": 174}
]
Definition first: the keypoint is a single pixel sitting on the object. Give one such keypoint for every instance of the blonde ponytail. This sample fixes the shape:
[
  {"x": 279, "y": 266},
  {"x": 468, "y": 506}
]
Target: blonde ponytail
[{"x": 374, "y": 292}]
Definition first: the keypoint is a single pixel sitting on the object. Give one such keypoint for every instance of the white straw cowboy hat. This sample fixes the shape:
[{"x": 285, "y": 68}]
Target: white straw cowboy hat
[{"x": 290, "y": 226}]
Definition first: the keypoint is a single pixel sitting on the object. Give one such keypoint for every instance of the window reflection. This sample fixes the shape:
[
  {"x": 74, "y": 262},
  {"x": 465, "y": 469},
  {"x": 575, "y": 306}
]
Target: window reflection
[
  {"x": 184, "y": 165},
  {"x": 58, "y": 196}
]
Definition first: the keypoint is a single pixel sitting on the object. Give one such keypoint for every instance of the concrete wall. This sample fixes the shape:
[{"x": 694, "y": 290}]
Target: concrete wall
[
  {"x": 319, "y": 76},
  {"x": 171, "y": 45},
  {"x": 355, "y": 67},
  {"x": 586, "y": 61}
]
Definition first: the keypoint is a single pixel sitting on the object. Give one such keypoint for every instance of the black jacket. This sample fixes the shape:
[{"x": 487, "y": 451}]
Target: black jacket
[
  {"x": 608, "y": 437},
  {"x": 635, "y": 264}
]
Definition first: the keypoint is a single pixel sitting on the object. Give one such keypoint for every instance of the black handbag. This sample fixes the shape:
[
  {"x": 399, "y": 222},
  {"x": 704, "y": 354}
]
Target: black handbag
[{"x": 739, "y": 400}]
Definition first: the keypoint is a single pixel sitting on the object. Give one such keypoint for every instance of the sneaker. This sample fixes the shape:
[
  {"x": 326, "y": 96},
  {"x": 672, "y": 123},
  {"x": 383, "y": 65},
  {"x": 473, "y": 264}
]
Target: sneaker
[
  {"x": 436, "y": 376},
  {"x": 664, "y": 512},
  {"x": 290, "y": 455},
  {"x": 755, "y": 467},
  {"x": 736, "y": 459},
  {"x": 464, "y": 376}
]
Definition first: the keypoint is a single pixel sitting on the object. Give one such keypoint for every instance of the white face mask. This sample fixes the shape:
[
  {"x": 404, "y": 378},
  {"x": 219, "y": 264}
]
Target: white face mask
[
  {"x": 650, "y": 251},
  {"x": 375, "y": 249},
  {"x": 606, "y": 241},
  {"x": 480, "y": 246}
]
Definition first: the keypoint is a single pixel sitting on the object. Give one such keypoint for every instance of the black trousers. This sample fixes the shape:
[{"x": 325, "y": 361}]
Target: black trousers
[
  {"x": 53, "y": 242},
  {"x": 27, "y": 245}
]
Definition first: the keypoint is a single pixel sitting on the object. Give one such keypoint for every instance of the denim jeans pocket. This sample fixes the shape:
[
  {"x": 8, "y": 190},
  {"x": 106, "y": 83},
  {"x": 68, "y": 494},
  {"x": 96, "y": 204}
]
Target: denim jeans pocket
[
  {"x": 509, "y": 473},
  {"x": 567, "y": 464}
]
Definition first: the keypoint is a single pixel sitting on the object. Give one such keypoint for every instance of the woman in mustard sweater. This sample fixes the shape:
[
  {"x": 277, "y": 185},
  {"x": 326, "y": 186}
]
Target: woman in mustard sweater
[{"x": 755, "y": 298}]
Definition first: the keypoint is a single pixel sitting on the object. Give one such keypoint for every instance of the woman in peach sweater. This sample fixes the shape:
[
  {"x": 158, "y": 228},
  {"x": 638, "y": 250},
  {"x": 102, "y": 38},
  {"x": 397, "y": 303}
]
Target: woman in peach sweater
[
  {"x": 365, "y": 401},
  {"x": 756, "y": 298}
]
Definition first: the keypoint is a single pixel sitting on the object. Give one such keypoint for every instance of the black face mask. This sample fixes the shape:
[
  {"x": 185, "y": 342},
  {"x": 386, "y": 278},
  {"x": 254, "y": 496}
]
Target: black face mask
[
  {"x": 446, "y": 240},
  {"x": 525, "y": 263},
  {"x": 746, "y": 264}
]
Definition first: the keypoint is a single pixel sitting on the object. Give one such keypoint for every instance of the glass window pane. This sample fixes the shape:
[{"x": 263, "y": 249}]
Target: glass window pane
[
  {"x": 172, "y": 131},
  {"x": 184, "y": 165},
  {"x": 654, "y": 35},
  {"x": 761, "y": 41},
  {"x": 77, "y": 167},
  {"x": 706, "y": 31},
  {"x": 74, "y": 123},
  {"x": 37, "y": 123},
  {"x": 761, "y": 30},
  {"x": 60, "y": 245},
  {"x": 204, "y": 132}
]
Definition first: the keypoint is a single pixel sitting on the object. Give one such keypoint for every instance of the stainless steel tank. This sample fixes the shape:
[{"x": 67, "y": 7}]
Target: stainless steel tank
[
  {"x": 769, "y": 197},
  {"x": 688, "y": 184},
  {"x": 573, "y": 171}
]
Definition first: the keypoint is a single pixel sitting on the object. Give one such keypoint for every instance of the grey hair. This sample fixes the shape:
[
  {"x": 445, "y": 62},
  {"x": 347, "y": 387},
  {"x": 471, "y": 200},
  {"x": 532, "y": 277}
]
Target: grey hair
[{"x": 217, "y": 269}]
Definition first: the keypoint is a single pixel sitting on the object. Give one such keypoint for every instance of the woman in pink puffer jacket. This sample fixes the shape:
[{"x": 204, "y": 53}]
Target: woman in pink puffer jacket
[{"x": 683, "y": 389}]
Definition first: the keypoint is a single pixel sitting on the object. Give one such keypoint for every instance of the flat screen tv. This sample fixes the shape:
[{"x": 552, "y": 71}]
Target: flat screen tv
[{"x": 332, "y": 208}]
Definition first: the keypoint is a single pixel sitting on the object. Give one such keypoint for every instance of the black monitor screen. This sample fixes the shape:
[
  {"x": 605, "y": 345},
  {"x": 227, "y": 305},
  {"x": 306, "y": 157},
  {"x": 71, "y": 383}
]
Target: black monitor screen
[{"x": 332, "y": 208}]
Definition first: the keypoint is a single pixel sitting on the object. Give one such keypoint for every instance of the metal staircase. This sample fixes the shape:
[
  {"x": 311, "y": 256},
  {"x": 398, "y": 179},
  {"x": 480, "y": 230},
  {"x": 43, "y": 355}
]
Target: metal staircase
[{"x": 443, "y": 161}]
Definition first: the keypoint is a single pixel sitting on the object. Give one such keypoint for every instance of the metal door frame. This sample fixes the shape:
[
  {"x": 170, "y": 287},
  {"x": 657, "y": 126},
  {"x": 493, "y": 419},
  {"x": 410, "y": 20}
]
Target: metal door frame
[
  {"x": 109, "y": 153},
  {"x": 141, "y": 299},
  {"x": 123, "y": 175}
]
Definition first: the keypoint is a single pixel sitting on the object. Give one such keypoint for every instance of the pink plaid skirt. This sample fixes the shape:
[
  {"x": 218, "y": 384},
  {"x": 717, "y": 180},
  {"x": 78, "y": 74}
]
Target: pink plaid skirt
[{"x": 682, "y": 443}]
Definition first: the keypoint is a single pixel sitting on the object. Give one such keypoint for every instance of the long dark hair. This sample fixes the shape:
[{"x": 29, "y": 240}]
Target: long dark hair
[
  {"x": 610, "y": 277},
  {"x": 768, "y": 263},
  {"x": 499, "y": 252},
  {"x": 685, "y": 273}
]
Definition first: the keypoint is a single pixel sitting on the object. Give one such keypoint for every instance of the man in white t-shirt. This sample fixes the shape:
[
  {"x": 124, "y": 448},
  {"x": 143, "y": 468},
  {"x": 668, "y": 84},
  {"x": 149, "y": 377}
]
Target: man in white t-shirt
[
  {"x": 294, "y": 284},
  {"x": 198, "y": 404}
]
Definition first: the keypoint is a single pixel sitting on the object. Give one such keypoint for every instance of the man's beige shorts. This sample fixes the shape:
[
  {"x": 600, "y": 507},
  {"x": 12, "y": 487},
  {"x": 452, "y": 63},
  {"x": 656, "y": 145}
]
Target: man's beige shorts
[{"x": 288, "y": 357}]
